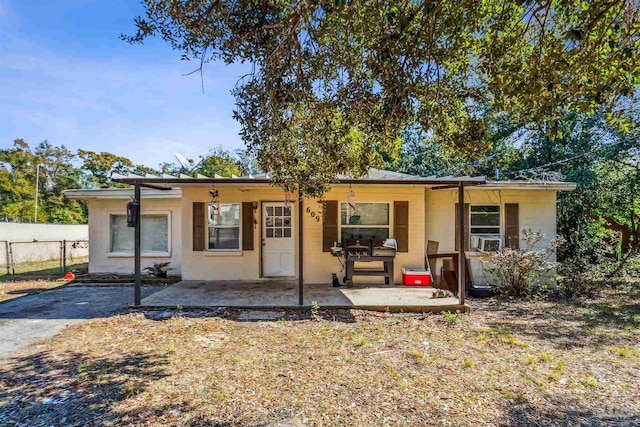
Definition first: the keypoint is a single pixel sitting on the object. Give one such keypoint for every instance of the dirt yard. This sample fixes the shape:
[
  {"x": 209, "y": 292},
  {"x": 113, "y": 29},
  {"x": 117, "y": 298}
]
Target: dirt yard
[{"x": 539, "y": 363}]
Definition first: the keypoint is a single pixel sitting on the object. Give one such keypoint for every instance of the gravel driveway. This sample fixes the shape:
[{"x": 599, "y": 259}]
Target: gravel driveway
[{"x": 34, "y": 317}]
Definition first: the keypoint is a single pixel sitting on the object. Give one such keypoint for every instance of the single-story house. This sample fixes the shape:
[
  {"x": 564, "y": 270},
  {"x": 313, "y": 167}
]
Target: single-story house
[{"x": 243, "y": 228}]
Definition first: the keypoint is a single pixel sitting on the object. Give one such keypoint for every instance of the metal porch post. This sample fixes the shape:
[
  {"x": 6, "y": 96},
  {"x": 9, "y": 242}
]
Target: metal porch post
[
  {"x": 138, "y": 278},
  {"x": 461, "y": 243},
  {"x": 300, "y": 250}
]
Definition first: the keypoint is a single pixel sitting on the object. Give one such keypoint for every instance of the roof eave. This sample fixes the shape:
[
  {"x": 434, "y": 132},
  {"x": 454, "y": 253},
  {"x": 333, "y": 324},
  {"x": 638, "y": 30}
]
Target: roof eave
[
  {"x": 530, "y": 185},
  {"x": 119, "y": 194},
  {"x": 187, "y": 181}
]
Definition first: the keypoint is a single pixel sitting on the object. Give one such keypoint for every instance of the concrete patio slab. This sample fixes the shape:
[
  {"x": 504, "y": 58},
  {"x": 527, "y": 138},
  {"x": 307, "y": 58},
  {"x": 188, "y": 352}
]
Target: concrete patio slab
[{"x": 284, "y": 294}]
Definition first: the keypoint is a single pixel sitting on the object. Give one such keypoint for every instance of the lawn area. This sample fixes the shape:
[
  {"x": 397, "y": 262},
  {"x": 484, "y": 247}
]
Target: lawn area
[
  {"x": 31, "y": 278},
  {"x": 44, "y": 269},
  {"x": 536, "y": 363}
]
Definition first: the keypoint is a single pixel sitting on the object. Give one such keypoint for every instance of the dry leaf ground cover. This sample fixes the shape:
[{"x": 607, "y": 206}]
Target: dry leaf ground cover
[{"x": 539, "y": 363}]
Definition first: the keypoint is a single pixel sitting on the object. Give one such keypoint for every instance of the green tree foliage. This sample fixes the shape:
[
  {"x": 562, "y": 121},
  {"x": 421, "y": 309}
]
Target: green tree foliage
[
  {"x": 220, "y": 161},
  {"x": 101, "y": 166},
  {"x": 421, "y": 155},
  {"x": 333, "y": 84},
  {"x": 62, "y": 169},
  {"x": 18, "y": 183}
]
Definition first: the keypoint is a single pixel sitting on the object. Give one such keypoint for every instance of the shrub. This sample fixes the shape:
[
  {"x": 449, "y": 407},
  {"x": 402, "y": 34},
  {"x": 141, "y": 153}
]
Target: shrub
[
  {"x": 159, "y": 269},
  {"x": 578, "y": 278},
  {"x": 587, "y": 267},
  {"x": 518, "y": 272}
]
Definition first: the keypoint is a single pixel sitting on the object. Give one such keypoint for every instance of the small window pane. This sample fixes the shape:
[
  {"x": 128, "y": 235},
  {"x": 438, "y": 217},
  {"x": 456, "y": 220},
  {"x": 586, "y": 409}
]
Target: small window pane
[
  {"x": 287, "y": 211},
  {"x": 270, "y": 211},
  {"x": 269, "y": 232},
  {"x": 224, "y": 238},
  {"x": 368, "y": 213},
  {"x": 278, "y": 211},
  {"x": 121, "y": 235},
  {"x": 287, "y": 232},
  {"x": 277, "y": 232},
  {"x": 278, "y": 222},
  {"x": 287, "y": 222},
  {"x": 153, "y": 233},
  {"x": 485, "y": 230},
  {"x": 486, "y": 209},
  {"x": 485, "y": 219},
  {"x": 227, "y": 214}
]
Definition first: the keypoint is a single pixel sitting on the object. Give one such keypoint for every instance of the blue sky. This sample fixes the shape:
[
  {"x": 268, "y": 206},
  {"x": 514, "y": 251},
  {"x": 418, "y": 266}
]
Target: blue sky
[{"x": 65, "y": 76}]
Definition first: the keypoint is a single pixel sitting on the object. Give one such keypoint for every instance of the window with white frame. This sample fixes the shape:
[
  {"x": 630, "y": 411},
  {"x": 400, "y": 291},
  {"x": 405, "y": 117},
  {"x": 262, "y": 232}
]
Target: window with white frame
[
  {"x": 366, "y": 221},
  {"x": 484, "y": 220},
  {"x": 154, "y": 234},
  {"x": 224, "y": 226}
]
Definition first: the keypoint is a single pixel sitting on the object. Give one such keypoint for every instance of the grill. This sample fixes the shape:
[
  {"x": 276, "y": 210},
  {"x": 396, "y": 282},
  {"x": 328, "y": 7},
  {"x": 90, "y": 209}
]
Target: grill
[
  {"x": 370, "y": 251},
  {"x": 371, "y": 248},
  {"x": 388, "y": 248}
]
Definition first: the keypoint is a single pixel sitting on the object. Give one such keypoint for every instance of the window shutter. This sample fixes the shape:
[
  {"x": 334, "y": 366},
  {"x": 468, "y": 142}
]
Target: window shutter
[
  {"x": 329, "y": 225},
  {"x": 512, "y": 226},
  {"x": 466, "y": 227},
  {"x": 198, "y": 226},
  {"x": 401, "y": 225},
  {"x": 247, "y": 226}
]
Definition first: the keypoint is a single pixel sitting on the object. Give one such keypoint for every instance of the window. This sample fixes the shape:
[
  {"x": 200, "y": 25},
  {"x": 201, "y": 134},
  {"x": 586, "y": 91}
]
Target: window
[
  {"x": 154, "y": 234},
  {"x": 485, "y": 220},
  {"x": 224, "y": 226},
  {"x": 369, "y": 221},
  {"x": 278, "y": 222}
]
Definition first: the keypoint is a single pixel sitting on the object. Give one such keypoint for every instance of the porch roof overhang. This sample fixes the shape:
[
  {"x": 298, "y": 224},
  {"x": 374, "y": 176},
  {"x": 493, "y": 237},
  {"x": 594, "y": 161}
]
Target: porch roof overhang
[
  {"x": 530, "y": 185},
  {"x": 375, "y": 177},
  {"x": 121, "y": 193}
]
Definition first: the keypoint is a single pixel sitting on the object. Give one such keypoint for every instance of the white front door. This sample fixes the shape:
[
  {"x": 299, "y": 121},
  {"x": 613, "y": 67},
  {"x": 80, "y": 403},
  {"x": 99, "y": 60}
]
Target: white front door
[{"x": 278, "y": 244}]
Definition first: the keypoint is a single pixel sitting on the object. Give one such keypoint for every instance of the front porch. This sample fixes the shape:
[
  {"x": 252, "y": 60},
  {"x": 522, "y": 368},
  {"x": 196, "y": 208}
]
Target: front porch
[{"x": 284, "y": 294}]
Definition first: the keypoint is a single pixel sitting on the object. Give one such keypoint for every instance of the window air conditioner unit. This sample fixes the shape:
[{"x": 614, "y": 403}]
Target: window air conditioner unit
[{"x": 489, "y": 244}]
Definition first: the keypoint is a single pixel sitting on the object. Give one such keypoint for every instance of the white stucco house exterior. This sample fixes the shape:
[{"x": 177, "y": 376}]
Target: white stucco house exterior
[{"x": 249, "y": 231}]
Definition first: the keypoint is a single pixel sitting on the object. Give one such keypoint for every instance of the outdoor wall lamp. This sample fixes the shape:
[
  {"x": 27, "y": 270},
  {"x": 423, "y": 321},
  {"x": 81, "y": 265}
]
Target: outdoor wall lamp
[{"x": 132, "y": 213}]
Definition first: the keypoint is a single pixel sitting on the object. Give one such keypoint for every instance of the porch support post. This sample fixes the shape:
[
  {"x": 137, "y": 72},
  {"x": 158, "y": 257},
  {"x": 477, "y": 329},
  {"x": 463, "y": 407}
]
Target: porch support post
[
  {"x": 300, "y": 251},
  {"x": 138, "y": 279},
  {"x": 461, "y": 243}
]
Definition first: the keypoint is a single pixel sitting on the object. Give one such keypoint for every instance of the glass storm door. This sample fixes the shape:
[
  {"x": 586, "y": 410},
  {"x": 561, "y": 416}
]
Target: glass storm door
[{"x": 278, "y": 244}]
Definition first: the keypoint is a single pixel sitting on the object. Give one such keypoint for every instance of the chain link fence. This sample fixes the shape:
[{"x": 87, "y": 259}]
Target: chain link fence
[{"x": 49, "y": 255}]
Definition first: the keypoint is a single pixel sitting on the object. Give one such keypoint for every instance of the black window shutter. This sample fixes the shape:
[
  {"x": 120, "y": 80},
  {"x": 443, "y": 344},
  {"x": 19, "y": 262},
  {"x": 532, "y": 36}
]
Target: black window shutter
[
  {"x": 329, "y": 225},
  {"x": 512, "y": 225},
  {"x": 198, "y": 226},
  {"x": 247, "y": 226},
  {"x": 401, "y": 225}
]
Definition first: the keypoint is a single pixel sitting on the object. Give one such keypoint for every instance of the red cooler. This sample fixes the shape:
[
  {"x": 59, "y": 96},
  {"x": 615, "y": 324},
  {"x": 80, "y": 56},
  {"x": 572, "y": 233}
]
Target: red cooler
[{"x": 416, "y": 277}]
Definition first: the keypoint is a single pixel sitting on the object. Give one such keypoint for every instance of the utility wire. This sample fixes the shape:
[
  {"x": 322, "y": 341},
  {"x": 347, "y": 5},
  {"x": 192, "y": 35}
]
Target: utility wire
[{"x": 558, "y": 161}]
